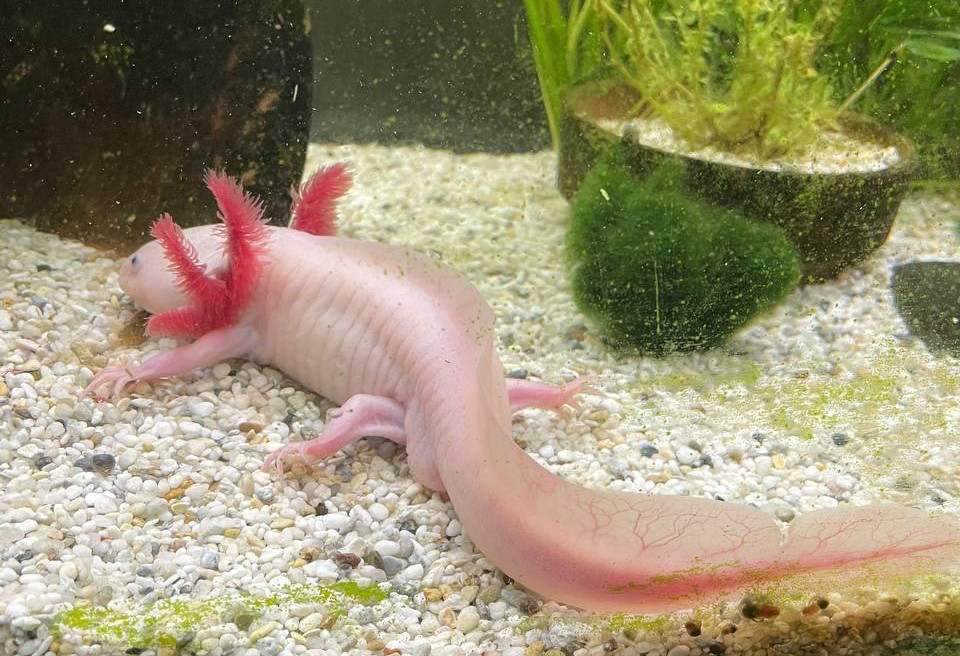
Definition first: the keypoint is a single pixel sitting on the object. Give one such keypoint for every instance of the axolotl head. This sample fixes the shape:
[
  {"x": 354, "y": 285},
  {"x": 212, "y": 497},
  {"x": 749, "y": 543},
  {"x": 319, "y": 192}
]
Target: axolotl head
[{"x": 148, "y": 278}]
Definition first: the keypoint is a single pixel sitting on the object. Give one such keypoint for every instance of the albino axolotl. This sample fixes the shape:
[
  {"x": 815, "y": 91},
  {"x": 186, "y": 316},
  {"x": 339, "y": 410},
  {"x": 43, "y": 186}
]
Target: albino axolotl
[{"x": 406, "y": 347}]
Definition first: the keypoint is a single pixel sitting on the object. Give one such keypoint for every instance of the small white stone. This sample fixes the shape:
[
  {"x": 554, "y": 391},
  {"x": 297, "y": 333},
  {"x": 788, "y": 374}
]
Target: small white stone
[
  {"x": 686, "y": 455},
  {"x": 846, "y": 482},
  {"x": 221, "y": 370},
  {"x": 335, "y": 521},
  {"x": 378, "y": 511},
  {"x": 387, "y": 548},
  {"x": 497, "y": 609},
  {"x": 453, "y": 528},
  {"x": 468, "y": 619},
  {"x": 25, "y": 623},
  {"x": 69, "y": 570},
  {"x": 413, "y": 572},
  {"x": 202, "y": 409},
  {"x": 312, "y": 622},
  {"x": 322, "y": 569}
]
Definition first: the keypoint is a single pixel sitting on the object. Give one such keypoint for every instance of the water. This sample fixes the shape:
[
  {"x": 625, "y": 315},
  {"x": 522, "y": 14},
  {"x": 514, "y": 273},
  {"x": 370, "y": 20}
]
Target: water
[{"x": 153, "y": 505}]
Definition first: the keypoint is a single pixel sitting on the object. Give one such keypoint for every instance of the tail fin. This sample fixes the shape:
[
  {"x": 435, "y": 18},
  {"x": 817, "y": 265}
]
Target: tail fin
[{"x": 313, "y": 208}]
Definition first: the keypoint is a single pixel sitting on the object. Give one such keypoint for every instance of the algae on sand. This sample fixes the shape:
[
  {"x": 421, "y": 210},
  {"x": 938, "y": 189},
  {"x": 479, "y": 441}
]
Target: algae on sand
[{"x": 171, "y": 622}]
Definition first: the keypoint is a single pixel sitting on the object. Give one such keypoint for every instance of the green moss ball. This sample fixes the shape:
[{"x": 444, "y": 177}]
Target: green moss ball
[{"x": 661, "y": 272}]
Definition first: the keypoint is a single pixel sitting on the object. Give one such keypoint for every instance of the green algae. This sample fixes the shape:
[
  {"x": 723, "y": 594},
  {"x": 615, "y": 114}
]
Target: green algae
[
  {"x": 618, "y": 623},
  {"x": 812, "y": 404},
  {"x": 167, "y": 622},
  {"x": 623, "y": 623},
  {"x": 926, "y": 646}
]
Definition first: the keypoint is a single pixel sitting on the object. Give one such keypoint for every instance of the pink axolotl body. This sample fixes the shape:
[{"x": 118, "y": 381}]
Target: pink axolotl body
[{"x": 406, "y": 346}]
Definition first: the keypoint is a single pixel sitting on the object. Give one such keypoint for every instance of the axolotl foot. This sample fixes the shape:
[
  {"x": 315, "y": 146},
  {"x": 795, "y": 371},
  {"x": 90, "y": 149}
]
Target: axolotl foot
[
  {"x": 118, "y": 375},
  {"x": 377, "y": 416},
  {"x": 531, "y": 394},
  {"x": 362, "y": 415}
]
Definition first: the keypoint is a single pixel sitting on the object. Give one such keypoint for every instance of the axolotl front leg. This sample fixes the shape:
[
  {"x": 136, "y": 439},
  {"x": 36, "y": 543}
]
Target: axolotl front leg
[{"x": 213, "y": 347}]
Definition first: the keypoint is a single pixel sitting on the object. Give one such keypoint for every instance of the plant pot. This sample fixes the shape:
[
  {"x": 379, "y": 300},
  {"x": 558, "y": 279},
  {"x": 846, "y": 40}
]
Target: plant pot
[{"x": 834, "y": 219}]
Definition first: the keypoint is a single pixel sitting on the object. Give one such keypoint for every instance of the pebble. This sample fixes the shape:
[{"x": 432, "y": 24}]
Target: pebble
[
  {"x": 468, "y": 619},
  {"x": 392, "y": 565},
  {"x": 312, "y": 622},
  {"x": 378, "y": 511},
  {"x": 102, "y": 463},
  {"x": 413, "y": 572},
  {"x": 687, "y": 456},
  {"x": 264, "y": 631},
  {"x": 210, "y": 560},
  {"x": 840, "y": 439}
]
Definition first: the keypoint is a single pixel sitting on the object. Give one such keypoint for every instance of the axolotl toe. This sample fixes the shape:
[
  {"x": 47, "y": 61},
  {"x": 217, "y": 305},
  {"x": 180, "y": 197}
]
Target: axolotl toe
[{"x": 406, "y": 347}]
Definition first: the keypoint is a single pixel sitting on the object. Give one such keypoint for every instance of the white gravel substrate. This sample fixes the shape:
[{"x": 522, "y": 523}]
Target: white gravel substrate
[{"x": 159, "y": 496}]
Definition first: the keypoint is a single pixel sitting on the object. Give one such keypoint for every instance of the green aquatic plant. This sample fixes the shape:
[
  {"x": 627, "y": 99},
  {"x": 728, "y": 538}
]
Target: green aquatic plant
[
  {"x": 662, "y": 272},
  {"x": 738, "y": 75},
  {"x": 763, "y": 76},
  {"x": 918, "y": 93},
  {"x": 566, "y": 49}
]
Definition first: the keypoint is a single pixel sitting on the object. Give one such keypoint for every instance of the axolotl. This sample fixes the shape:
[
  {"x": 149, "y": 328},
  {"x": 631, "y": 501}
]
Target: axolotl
[{"x": 406, "y": 347}]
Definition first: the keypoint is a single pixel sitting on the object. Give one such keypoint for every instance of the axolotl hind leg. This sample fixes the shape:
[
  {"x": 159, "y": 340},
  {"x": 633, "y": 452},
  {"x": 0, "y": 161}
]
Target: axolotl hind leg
[
  {"x": 531, "y": 394},
  {"x": 363, "y": 415}
]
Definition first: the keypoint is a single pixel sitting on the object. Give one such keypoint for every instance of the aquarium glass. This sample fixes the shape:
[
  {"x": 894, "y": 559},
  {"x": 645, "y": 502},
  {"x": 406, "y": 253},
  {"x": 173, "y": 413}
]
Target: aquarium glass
[{"x": 458, "y": 328}]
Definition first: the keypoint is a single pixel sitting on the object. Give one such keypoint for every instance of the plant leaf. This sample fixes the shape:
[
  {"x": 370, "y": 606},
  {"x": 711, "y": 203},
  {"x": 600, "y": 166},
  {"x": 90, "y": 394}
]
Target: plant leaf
[{"x": 933, "y": 50}]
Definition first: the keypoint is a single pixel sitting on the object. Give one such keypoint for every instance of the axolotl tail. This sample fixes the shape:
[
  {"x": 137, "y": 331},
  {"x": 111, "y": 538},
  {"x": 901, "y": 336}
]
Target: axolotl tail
[{"x": 615, "y": 551}]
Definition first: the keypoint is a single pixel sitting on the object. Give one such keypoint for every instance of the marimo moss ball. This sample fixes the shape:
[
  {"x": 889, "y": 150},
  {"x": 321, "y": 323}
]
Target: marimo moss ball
[{"x": 661, "y": 272}]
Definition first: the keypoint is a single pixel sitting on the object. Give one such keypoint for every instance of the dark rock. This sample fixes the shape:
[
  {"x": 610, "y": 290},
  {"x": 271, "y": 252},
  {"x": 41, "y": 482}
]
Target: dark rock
[
  {"x": 103, "y": 463},
  {"x": 42, "y": 461},
  {"x": 840, "y": 439},
  {"x": 110, "y": 117},
  {"x": 24, "y": 556},
  {"x": 85, "y": 463},
  {"x": 373, "y": 558},
  {"x": 714, "y": 648},
  {"x": 346, "y": 559},
  {"x": 927, "y": 295},
  {"x": 648, "y": 451}
]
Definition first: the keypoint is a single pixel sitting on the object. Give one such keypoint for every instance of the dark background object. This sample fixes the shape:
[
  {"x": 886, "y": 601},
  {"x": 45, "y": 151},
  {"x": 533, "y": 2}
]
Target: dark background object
[
  {"x": 110, "y": 110},
  {"x": 455, "y": 74},
  {"x": 927, "y": 295}
]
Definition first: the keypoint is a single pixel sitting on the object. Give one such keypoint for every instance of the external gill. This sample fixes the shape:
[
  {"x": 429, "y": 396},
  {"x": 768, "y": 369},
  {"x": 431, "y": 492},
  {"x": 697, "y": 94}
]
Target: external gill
[{"x": 214, "y": 302}]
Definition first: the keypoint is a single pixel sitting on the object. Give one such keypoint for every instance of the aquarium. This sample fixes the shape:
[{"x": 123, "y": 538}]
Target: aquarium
[{"x": 447, "y": 328}]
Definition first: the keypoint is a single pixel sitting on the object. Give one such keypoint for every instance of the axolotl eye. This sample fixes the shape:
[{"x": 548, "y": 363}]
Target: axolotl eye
[{"x": 135, "y": 259}]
